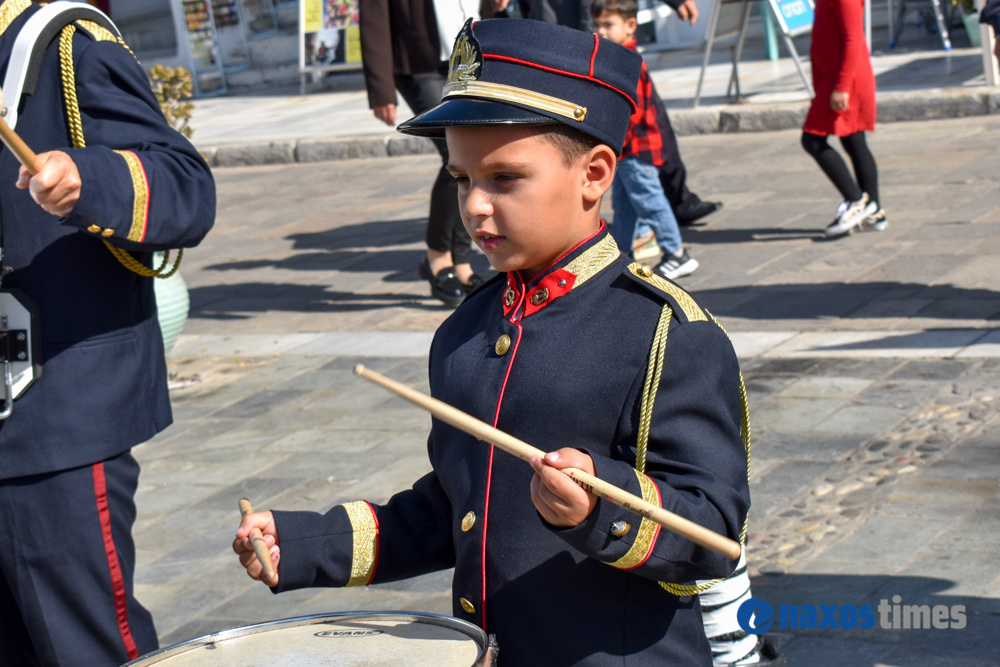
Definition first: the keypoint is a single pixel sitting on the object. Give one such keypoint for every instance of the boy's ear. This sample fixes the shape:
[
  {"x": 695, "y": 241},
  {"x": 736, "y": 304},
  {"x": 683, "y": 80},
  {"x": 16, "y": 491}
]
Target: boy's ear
[
  {"x": 599, "y": 164},
  {"x": 631, "y": 25}
]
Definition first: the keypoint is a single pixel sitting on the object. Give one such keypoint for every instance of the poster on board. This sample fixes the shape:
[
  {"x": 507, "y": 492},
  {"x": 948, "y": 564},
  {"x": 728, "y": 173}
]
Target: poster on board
[
  {"x": 329, "y": 36},
  {"x": 795, "y": 17}
]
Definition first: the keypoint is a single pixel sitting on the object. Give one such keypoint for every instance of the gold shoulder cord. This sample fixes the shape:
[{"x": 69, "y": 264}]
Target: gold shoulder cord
[
  {"x": 76, "y": 132},
  {"x": 657, "y": 354}
]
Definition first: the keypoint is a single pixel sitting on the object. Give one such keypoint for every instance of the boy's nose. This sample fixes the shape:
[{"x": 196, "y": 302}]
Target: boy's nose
[{"x": 477, "y": 203}]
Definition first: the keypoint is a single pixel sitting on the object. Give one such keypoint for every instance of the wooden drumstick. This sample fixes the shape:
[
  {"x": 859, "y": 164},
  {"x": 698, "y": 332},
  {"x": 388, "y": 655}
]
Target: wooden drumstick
[
  {"x": 259, "y": 545},
  {"x": 685, "y": 528},
  {"x": 24, "y": 155}
]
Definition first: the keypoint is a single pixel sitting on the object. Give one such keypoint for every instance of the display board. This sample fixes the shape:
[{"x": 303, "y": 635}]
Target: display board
[
  {"x": 231, "y": 35},
  {"x": 329, "y": 36},
  {"x": 206, "y": 70},
  {"x": 795, "y": 17}
]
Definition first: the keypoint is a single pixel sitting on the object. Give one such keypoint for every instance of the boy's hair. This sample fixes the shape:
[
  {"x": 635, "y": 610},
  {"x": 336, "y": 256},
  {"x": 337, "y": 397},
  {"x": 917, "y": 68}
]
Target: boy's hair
[
  {"x": 627, "y": 9},
  {"x": 571, "y": 144}
]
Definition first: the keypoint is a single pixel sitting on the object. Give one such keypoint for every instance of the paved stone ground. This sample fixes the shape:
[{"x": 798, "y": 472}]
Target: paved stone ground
[{"x": 871, "y": 478}]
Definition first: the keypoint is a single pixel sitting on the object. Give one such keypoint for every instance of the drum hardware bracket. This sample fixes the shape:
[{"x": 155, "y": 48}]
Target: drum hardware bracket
[{"x": 20, "y": 346}]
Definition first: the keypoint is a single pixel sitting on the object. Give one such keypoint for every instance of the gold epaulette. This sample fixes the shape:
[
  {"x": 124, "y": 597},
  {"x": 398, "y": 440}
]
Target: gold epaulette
[{"x": 681, "y": 300}]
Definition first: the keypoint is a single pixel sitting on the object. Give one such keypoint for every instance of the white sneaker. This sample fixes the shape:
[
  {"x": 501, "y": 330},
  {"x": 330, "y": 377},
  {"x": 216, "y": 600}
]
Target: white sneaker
[
  {"x": 677, "y": 265},
  {"x": 851, "y": 215},
  {"x": 875, "y": 222}
]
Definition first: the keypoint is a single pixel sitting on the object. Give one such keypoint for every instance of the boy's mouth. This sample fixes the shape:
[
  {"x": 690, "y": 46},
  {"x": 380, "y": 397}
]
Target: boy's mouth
[{"x": 490, "y": 241}]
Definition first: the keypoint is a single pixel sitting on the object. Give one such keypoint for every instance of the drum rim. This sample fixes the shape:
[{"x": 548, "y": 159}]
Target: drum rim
[{"x": 473, "y": 631}]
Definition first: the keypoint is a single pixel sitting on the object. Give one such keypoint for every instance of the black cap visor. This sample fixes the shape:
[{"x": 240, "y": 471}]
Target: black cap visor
[{"x": 463, "y": 111}]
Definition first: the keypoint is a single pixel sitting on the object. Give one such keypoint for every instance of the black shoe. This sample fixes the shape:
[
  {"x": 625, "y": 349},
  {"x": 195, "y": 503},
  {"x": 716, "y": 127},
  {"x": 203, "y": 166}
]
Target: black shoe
[
  {"x": 692, "y": 214},
  {"x": 677, "y": 265},
  {"x": 445, "y": 286},
  {"x": 475, "y": 281},
  {"x": 769, "y": 654}
]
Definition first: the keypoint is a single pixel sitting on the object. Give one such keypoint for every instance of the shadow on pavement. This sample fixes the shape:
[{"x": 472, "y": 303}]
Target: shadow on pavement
[
  {"x": 851, "y": 300},
  {"x": 228, "y": 302},
  {"x": 975, "y": 644}
]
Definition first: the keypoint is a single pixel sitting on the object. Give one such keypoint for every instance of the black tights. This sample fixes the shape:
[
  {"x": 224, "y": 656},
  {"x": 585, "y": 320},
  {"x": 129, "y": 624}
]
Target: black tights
[{"x": 833, "y": 165}]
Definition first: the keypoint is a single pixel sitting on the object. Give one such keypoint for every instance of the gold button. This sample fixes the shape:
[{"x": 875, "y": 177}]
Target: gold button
[
  {"x": 94, "y": 229},
  {"x": 645, "y": 271},
  {"x": 108, "y": 232},
  {"x": 580, "y": 113},
  {"x": 467, "y": 606},
  {"x": 468, "y": 521},
  {"x": 540, "y": 297},
  {"x": 620, "y": 528},
  {"x": 503, "y": 344}
]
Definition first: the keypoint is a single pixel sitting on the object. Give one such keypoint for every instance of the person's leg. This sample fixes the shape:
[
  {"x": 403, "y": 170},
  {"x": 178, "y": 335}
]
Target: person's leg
[
  {"x": 78, "y": 609},
  {"x": 16, "y": 649},
  {"x": 642, "y": 184},
  {"x": 832, "y": 164},
  {"x": 623, "y": 226},
  {"x": 423, "y": 92},
  {"x": 864, "y": 163}
]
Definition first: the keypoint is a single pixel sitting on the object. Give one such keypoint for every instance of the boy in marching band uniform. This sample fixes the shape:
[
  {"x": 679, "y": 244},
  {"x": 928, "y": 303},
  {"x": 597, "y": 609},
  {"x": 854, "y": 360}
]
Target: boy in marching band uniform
[{"x": 567, "y": 348}]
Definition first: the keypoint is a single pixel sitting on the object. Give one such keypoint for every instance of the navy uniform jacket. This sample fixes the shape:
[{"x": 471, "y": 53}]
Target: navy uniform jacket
[
  {"x": 572, "y": 377},
  {"x": 103, "y": 388}
]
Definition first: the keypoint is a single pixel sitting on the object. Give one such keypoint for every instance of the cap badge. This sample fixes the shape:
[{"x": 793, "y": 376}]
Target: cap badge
[{"x": 466, "y": 59}]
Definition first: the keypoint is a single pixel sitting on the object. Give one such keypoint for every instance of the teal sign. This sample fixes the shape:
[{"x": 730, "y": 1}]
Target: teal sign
[{"x": 794, "y": 16}]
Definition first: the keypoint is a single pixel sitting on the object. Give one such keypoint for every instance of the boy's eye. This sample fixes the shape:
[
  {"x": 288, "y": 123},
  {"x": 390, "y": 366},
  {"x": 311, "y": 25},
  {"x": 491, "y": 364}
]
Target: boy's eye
[
  {"x": 506, "y": 178},
  {"x": 459, "y": 180}
]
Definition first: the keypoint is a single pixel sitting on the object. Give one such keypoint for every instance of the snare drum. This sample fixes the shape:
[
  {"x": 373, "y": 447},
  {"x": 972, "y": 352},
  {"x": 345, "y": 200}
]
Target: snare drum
[{"x": 353, "y": 639}]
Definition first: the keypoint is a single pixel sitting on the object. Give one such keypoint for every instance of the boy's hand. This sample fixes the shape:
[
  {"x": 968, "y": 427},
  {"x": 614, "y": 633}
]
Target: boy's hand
[
  {"x": 242, "y": 545},
  {"x": 386, "y": 113},
  {"x": 558, "y": 498},
  {"x": 56, "y": 188}
]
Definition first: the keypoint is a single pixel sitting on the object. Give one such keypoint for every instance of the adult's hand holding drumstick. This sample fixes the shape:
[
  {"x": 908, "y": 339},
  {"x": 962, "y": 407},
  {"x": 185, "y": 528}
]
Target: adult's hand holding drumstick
[
  {"x": 257, "y": 544},
  {"x": 464, "y": 422},
  {"x": 52, "y": 178}
]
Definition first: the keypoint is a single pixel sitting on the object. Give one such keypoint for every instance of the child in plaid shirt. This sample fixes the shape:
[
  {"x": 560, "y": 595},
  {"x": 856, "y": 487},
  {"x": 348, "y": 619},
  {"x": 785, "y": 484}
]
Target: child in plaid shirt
[{"x": 637, "y": 194}]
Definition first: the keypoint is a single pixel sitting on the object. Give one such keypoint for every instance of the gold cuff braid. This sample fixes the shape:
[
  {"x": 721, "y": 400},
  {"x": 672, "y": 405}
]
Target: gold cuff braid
[
  {"x": 648, "y": 530},
  {"x": 365, "y": 542}
]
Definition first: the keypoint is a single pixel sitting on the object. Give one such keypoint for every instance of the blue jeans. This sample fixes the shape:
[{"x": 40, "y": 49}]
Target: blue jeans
[{"x": 637, "y": 196}]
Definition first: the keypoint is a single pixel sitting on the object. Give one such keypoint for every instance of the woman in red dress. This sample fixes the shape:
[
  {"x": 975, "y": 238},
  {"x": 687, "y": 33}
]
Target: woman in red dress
[{"x": 845, "y": 106}]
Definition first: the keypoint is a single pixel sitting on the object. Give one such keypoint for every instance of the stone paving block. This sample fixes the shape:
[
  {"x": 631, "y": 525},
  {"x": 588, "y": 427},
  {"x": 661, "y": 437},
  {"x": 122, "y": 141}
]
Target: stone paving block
[
  {"x": 257, "y": 489},
  {"x": 791, "y": 415},
  {"x": 326, "y": 464},
  {"x": 856, "y": 368},
  {"x": 789, "y": 477},
  {"x": 157, "y": 499},
  {"x": 978, "y": 460},
  {"x": 969, "y": 572},
  {"x": 867, "y": 419},
  {"x": 811, "y": 446},
  {"x": 321, "y": 379},
  {"x": 380, "y": 364},
  {"x": 271, "y": 152},
  {"x": 387, "y": 420},
  {"x": 892, "y": 541},
  {"x": 344, "y": 441},
  {"x": 260, "y": 403},
  {"x": 825, "y": 387},
  {"x": 902, "y": 395},
  {"x": 829, "y": 652}
]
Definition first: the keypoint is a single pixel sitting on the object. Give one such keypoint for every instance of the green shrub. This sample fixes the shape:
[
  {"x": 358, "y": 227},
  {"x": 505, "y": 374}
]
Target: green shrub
[{"x": 172, "y": 87}]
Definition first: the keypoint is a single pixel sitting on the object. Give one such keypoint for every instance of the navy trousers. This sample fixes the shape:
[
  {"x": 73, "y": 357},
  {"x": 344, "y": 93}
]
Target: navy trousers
[{"x": 67, "y": 567}]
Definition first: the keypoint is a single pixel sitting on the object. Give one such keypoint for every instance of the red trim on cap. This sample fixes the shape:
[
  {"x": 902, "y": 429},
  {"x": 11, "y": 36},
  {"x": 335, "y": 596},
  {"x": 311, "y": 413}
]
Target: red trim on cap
[
  {"x": 493, "y": 56},
  {"x": 117, "y": 580},
  {"x": 597, "y": 40}
]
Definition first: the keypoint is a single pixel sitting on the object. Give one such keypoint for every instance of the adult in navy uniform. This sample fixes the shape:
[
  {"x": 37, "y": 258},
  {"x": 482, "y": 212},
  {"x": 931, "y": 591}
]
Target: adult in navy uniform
[
  {"x": 67, "y": 478},
  {"x": 572, "y": 353}
]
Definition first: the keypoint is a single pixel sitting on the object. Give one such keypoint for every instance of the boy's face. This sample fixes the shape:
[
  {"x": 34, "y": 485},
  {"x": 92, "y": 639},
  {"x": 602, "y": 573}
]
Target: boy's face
[
  {"x": 611, "y": 26},
  {"x": 520, "y": 202}
]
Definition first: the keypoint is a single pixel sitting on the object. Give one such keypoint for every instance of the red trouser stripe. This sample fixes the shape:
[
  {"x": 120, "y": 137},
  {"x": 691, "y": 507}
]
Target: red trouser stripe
[{"x": 117, "y": 580}]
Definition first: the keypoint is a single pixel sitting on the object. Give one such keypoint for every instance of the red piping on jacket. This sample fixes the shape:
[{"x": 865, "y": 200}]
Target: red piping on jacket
[
  {"x": 656, "y": 535},
  {"x": 592, "y": 79},
  {"x": 559, "y": 259},
  {"x": 117, "y": 580},
  {"x": 496, "y": 419},
  {"x": 597, "y": 40},
  {"x": 377, "y": 536}
]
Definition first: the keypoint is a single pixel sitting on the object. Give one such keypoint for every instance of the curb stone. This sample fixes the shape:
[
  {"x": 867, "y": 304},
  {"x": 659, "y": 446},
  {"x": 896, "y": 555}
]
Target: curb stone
[{"x": 934, "y": 104}]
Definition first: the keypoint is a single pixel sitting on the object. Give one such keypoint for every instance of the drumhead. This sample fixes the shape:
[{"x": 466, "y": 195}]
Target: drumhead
[{"x": 352, "y": 639}]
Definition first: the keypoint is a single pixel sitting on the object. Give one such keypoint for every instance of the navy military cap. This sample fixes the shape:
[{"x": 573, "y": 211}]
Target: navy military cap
[{"x": 523, "y": 72}]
